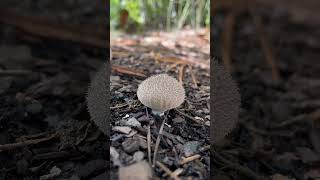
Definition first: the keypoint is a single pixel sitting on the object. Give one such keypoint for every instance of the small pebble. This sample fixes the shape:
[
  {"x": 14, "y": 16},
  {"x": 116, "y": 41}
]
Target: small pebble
[
  {"x": 190, "y": 148},
  {"x": 114, "y": 78},
  {"x": 130, "y": 145},
  {"x": 133, "y": 122},
  {"x": 138, "y": 156},
  {"x": 178, "y": 120},
  {"x": 115, "y": 156},
  {"x": 168, "y": 161},
  {"x": 137, "y": 171},
  {"x": 122, "y": 129}
]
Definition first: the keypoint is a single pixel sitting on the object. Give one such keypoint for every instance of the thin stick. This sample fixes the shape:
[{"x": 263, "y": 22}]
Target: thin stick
[
  {"x": 190, "y": 117},
  {"x": 173, "y": 175},
  {"x": 149, "y": 144},
  {"x": 189, "y": 159},
  {"x": 149, "y": 138},
  {"x": 44, "y": 27},
  {"x": 194, "y": 79},
  {"x": 266, "y": 47},
  {"x": 126, "y": 70},
  {"x": 158, "y": 142},
  {"x": 241, "y": 169},
  {"x": 26, "y": 143},
  {"x": 181, "y": 73}
]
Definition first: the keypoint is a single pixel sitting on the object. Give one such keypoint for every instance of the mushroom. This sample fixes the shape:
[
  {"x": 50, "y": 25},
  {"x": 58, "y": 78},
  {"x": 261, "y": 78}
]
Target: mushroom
[{"x": 161, "y": 93}]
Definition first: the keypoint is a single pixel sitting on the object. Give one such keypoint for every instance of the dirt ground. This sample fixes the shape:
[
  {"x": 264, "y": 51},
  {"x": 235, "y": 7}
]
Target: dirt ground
[
  {"x": 186, "y": 132},
  {"x": 45, "y": 128},
  {"x": 278, "y": 135}
]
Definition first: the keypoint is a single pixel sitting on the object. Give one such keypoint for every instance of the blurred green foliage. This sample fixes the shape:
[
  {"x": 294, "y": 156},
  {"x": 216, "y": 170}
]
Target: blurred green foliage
[{"x": 161, "y": 14}]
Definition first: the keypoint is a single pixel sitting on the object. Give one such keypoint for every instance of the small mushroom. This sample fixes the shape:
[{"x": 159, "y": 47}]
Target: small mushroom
[{"x": 161, "y": 93}]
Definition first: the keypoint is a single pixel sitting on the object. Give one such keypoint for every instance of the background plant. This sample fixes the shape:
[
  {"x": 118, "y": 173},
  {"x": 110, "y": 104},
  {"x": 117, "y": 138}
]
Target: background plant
[{"x": 164, "y": 14}]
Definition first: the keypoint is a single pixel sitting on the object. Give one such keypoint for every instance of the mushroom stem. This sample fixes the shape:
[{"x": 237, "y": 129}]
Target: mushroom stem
[
  {"x": 158, "y": 142},
  {"x": 158, "y": 113}
]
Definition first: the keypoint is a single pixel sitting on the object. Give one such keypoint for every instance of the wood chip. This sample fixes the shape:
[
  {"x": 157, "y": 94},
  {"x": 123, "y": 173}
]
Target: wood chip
[
  {"x": 137, "y": 171},
  {"x": 122, "y": 129}
]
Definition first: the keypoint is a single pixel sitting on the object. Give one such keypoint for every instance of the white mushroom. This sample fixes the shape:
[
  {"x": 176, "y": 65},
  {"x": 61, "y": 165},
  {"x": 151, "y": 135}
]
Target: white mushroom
[{"x": 161, "y": 93}]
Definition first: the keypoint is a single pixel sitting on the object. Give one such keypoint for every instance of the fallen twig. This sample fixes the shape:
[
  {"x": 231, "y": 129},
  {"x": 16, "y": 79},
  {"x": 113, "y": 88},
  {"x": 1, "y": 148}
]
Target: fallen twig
[
  {"x": 181, "y": 60},
  {"x": 194, "y": 79},
  {"x": 84, "y": 34},
  {"x": 149, "y": 144},
  {"x": 241, "y": 169},
  {"x": 6, "y": 147},
  {"x": 300, "y": 118},
  {"x": 189, "y": 117},
  {"x": 125, "y": 70},
  {"x": 79, "y": 141},
  {"x": 181, "y": 73},
  {"x": 158, "y": 142},
  {"x": 173, "y": 175},
  {"x": 266, "y": 47},
  {"x": 189, "y": 159}
]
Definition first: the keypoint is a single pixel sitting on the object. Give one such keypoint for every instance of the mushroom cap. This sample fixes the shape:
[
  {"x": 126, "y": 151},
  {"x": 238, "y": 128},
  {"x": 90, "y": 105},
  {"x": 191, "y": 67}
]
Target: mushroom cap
[
  {"x": 225, "y": 102},
  {"x": 161, "y": 92}
]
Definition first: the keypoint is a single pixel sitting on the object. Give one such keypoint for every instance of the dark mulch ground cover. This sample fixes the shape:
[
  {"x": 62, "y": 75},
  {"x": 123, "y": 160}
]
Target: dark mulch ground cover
[
  {"x": 46, "y": 132},
  {"x": 278, "y": 135}
]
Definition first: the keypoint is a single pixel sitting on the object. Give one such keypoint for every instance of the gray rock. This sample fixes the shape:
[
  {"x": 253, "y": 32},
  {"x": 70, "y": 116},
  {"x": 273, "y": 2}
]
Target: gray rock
[
  {"x": 133, "y": 122},
  {"x": 130, "y": 145},
  {"x": 138, "y": 156},
  {"x": 190, "y": 148}
]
